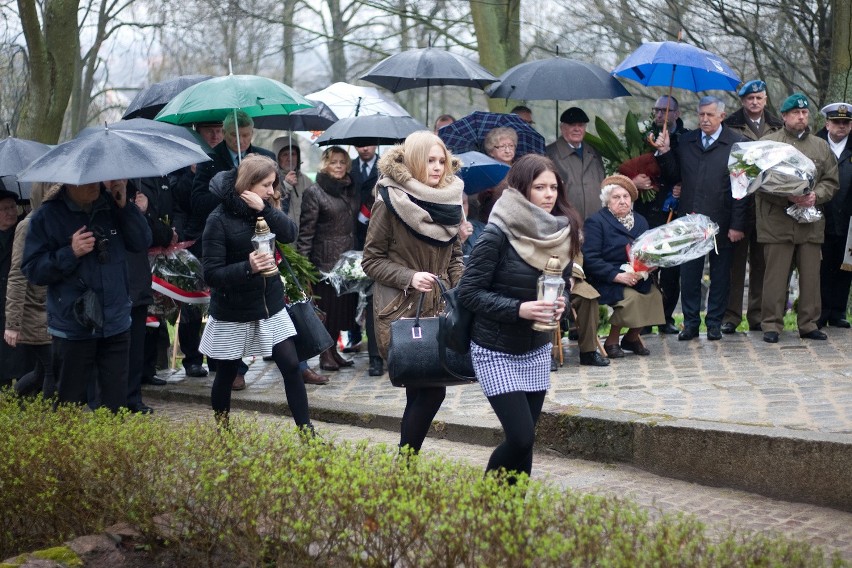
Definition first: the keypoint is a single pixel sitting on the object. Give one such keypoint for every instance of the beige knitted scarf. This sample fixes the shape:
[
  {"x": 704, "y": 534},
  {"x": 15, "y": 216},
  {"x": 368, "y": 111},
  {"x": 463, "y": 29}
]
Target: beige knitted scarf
[{"x": 535, "y": 234}]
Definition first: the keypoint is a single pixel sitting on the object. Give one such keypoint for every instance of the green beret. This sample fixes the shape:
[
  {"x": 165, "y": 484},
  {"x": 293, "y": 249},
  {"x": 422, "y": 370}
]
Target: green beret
[{"x": 796, "y": 100}]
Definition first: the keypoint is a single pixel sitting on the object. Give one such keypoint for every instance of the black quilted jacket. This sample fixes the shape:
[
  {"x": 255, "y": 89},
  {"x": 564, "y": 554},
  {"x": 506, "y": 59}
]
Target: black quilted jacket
[{"x": 496, "y": 281}]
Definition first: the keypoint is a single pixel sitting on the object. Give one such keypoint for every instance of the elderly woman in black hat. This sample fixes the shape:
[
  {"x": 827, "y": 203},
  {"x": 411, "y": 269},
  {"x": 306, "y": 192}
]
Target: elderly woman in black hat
[{"x": 636, "y": 301}]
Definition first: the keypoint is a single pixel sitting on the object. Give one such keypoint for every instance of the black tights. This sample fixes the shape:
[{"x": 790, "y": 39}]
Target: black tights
[
  {"x": 518, "y": 412},
  {"x": 284, "y": 355},
  {"x": 422, "y": 404}
]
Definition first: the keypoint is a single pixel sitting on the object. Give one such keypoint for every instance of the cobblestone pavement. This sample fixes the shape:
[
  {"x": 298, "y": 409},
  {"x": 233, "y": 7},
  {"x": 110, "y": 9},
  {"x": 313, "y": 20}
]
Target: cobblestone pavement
[
  {"x": 718, "y": 508},
  {"x": 795, "y": 385}
]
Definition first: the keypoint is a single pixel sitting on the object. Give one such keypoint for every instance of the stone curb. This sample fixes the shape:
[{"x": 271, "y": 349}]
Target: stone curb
[{"x": 803, "y": 466}]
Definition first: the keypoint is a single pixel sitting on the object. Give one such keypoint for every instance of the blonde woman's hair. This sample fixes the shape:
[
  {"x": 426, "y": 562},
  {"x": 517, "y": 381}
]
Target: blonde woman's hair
[
  {"x": 254, "y": 169},
  {"x": 328, "y": 153},
  {"x": 415, "y": 152}
]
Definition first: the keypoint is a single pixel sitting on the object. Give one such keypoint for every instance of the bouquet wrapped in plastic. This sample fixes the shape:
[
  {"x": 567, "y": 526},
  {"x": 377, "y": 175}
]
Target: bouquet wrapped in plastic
[
  {"x": 672, "y": 244},
  {"x": 176, "y": 273},
  {"x": 771, "y": 167},
  {"x": 347, "y": 276}
]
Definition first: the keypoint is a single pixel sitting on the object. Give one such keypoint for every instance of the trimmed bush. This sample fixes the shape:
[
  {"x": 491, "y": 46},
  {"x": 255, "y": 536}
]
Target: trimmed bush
[{"x": 262, "y": 495}]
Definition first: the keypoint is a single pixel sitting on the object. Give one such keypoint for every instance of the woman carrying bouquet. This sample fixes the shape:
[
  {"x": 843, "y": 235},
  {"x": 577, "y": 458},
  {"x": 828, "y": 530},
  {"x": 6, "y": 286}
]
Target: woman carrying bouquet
[
  {"x": 327, "y": 230},
  {"x": 412, "y": 240},
  {"x": 636, "y": 301},
  {"x": 247, "y": 312},
  {"x": 531, "y": 222}
]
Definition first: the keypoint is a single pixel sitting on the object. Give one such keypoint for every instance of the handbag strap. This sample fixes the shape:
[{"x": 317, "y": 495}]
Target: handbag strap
[{"x": 293, "y": 275}]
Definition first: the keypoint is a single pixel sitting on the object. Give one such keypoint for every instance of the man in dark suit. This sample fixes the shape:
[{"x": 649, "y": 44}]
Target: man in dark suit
[
  {"x": 365, "y": 174},
  {"x": 700, "y": 163},
  {"x": 238, "y": 130}
]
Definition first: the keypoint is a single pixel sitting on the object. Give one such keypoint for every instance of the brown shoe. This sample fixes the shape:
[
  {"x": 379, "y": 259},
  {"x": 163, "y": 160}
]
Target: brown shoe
[
  {"x": 339, "y": 359},
  {"x": 239, "y": 383},
  {"x": 311, "y": 377},
  {"x": 327, "y": 361}
]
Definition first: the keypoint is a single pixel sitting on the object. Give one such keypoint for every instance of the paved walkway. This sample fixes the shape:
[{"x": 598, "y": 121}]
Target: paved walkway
[
  {"x": 795, "y": 385},
  {"x": 718, "y": 508}
]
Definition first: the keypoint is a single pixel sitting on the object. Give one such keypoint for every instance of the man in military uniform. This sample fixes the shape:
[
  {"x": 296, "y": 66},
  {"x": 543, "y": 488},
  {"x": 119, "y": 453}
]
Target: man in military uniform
[
  {"x": 784, "y": 239},
  {"x": 752, "y": 121},
  {"x": 834, "y": 282},
  {"x": 579, "y": 165}
]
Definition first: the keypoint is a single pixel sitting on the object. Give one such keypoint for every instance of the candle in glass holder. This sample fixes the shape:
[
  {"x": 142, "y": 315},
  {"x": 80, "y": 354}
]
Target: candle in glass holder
[{"x": 550, "y": 287}]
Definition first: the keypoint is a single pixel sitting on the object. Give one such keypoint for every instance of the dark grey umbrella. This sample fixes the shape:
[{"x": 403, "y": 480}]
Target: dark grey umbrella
[
  {"x": 319, "y": 117},
  {"x": 152, "y": 127},
  {"x": 428, "y": 67},
  {"x": 151, "y": 100},
  {"x": 374, "y": 129},
  {"x": 113, "y": 154},
  {"x": 557, "y": 79}
]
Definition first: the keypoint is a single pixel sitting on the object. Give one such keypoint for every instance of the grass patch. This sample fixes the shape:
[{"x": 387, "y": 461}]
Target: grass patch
[{"x": 261, "y": 495}]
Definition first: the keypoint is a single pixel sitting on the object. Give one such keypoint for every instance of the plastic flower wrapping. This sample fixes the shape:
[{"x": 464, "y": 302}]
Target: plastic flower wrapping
[
  {"x": 346, "y": 275},
  {"x": 771, "y": 167},
  {"x": 684, "y": 239},
  {"x": 177, "y": 274}
]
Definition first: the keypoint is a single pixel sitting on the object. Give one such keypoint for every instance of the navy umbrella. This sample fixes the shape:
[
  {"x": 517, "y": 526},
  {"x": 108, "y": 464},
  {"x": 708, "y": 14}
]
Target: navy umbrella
[
  {"x": 320, "y": 117},
  {"x": 113, "y": 154},
  {"x": 480, "y": 172},
  {"x": 151, "y": 100},
  {"x": 428, "y": 67},
  {"x": 368, "y": 130},
  {"x": 468, "y": 133}
]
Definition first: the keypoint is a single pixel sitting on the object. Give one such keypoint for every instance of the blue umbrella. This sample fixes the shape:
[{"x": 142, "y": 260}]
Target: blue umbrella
[
  {"x": 676, "y": 64},
  {"x": 480, "y": 172},
  {"x": 468, "y": 133}
]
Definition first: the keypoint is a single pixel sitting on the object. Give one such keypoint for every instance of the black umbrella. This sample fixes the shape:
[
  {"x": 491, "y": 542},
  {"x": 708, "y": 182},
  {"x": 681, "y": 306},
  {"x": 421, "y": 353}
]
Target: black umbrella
[
  {"x": 428, "y": 67},
  {"x": 557, "y": 79},
  {"x": 374, "y": 129},
  {"x": 152, "y": 127},
  {"x": 319, "y": 117},
  {"x": 113, "y": 154},
  {"x": 151, "y": 100}
]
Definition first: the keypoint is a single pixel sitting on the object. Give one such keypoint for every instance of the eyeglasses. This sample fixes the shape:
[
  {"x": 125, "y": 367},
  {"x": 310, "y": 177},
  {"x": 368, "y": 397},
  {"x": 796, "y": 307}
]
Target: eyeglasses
[{"x": 505, "y": 147}]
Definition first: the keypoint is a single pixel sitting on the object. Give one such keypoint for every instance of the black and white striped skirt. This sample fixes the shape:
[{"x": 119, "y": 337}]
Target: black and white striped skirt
[{"x": 228, "y": 340}]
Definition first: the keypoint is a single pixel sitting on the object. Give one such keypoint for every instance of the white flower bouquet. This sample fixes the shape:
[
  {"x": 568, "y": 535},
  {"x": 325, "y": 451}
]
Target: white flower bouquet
[
  {"x": 346, "y": 275},
  {"x": 672, "y": 244},
  {"x": 771, "y": 167}
]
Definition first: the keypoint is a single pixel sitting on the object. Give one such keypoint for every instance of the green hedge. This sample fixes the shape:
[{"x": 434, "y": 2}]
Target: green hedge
[{"x": 262, "y": 495}]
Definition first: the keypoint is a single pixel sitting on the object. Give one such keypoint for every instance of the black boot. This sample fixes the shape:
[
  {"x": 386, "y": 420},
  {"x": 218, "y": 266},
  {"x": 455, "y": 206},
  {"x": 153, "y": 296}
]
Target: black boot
[{"x": 377, "y": 366}]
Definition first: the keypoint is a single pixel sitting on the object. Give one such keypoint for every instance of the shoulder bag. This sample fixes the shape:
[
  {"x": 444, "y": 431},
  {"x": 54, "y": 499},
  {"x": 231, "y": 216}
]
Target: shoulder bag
[
  {"x": 312, "y": 338},
  {"x": 416, "y": 358}
]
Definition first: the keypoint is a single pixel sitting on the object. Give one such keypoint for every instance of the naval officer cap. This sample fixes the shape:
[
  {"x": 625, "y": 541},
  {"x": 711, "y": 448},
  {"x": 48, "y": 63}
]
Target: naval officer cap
[
  {"x": 755, "y": 86},
  {"x": 837, "y": 111},
  {"x": 796, "y": 100}
]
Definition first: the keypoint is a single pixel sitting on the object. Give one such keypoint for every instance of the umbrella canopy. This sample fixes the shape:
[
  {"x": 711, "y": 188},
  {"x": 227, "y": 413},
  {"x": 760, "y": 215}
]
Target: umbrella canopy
[
  {"x": 558, "y": 79},
  {"x": 428, "y": 67},
  {"x": 319, "y": 117},
  {"x": 11, "y": 183},
  {"x": 153, "y": 127},
  {"x": 113, "y": 154},
  {"x": 479, "y": 172},
  {"x": 347, "y": 100},
  {"x": 151, "y": 100},
  {"x": 676, "y": 64},
  {"x": 211, "y": 100},
  {"x": 468, "y": 133},
  {"x": 17, "y": 153},
  {"x": 374, "y": 129}
]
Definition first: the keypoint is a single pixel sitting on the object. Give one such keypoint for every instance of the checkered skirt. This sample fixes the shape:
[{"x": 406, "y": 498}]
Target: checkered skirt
[
  {"x": 499, "y": 373},
  {"x": 228, "y": 340}
]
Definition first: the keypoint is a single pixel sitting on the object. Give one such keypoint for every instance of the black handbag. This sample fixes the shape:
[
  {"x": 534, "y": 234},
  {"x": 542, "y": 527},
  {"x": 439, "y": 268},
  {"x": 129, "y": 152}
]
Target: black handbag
[
  {"x": 455, "y": 322},
  {"x": 416, "y": 357},
  {"x": 87, "y": 309},
  {"x": 312, "y": 338}
]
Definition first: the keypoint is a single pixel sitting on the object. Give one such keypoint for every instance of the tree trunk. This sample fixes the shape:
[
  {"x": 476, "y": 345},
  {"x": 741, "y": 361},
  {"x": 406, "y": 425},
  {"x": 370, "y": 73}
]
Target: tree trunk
[
  {"x": 288, "y": 11},
  {"x": 53, "y": 50},
  {"x": 497, "y": 26},
  {"x": 840, "y": 79}
]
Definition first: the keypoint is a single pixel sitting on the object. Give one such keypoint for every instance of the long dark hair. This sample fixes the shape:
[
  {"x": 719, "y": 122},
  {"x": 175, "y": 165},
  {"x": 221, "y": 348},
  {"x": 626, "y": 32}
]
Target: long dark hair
[{"x": 521, "y": 177}]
